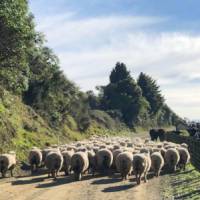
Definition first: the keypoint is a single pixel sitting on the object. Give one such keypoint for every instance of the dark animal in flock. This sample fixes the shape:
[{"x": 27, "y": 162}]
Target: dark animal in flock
[
  {"x": 153, "y": 134},
  {"x": 156, "y": 134},
  {"x": 161, "y": 134}
]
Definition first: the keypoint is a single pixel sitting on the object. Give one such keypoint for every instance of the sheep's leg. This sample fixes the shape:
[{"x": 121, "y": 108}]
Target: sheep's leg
[
  {"x": 139, "y": 181},
  {"x": 66, "y": 172},
  {"x": 136, "y": 178},
  {"x": 145, "y": 177},
  {"x": 174, "y": 168},
  {"x": 49, "y": 174},
  {"x": 32, "y": 169},
  {"x": 158, "y": 174},
  {"x": 36, "y": 167},
  {"x": 11, "y": 173},
  {"x": 4, "y": 174}
]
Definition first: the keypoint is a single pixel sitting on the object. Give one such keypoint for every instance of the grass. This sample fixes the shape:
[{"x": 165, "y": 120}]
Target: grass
[{"x": 184, "y": 185}]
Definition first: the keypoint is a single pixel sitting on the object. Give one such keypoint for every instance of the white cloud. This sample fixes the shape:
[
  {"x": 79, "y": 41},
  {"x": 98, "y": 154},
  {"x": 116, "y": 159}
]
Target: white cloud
[{"x": 88, "y": 49}]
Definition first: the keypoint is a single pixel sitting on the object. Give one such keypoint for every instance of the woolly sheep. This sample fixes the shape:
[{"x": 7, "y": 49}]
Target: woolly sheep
[
  {"x": 124, "y": 164},
  {"x": 7, "y": 163},
  {"x": 115, "y": 154},
  {"x": 104, "y": 159},
  {"x": 80, "y": 164},
  {"x": 35, "y": 158},
  {"x": 157, "y": 163},
  {"x": 172, "y": 158},
  {"x": 92, "y": 162},
  {"x": 184, "y": 145},
  {"x": 54, "y": 162},
  {"x": 184, "y": 157},
  {"x": 141, "y": 166},
  {"x": 67, "y": 155}
]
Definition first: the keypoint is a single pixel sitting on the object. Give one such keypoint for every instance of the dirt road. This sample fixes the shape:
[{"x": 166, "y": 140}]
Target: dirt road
[{"x": 98, "y": 188}]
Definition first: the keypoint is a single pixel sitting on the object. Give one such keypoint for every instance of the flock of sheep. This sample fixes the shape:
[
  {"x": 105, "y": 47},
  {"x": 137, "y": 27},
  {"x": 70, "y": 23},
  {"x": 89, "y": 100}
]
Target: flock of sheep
[{"x": 103, "y": 155}]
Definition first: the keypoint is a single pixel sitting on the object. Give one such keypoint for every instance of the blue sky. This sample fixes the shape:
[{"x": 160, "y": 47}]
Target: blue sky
[{"x": 161, "y": 38}]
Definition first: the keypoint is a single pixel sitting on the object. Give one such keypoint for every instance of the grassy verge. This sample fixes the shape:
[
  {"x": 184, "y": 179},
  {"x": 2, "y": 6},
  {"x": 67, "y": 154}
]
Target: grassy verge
[{"x": 184, "y": 185}]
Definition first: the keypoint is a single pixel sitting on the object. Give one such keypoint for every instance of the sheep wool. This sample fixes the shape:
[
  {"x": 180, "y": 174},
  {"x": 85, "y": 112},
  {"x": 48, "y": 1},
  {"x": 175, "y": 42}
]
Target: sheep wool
[
  {"x": 124, "y": 164},
  {"x": 104, "y": 159},
  {"x": 54, "y": 162},
  {"x": 172, "y": 158},
  {"x": 35, "y": 158},
  {"x": 7, "y": 163},
  {"x": 80, "y": 164},
  {"x": 67, "y": 155},
  {"x": 184, "y": 157},
  {"x": 157, "y": 163}
]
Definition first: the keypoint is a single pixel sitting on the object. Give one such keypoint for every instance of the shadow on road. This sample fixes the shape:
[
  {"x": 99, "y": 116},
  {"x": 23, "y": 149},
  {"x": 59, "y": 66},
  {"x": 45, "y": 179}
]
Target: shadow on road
[
  {"x": 106, "y": 181},
  {"x": 54, "y": 183},
  {"x": 119, "y": 188},
  {"x": 29, "y": 181}
]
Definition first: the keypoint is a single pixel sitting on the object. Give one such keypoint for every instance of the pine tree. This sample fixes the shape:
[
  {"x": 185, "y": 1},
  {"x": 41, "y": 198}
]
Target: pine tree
[
  {"x": 123, "y": 94},
  {"x": 151, "y": 92}
]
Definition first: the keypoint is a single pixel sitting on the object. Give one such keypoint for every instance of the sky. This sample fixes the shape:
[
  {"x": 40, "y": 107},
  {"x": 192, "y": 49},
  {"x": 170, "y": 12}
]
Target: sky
[{"x": 160, "y": 38}]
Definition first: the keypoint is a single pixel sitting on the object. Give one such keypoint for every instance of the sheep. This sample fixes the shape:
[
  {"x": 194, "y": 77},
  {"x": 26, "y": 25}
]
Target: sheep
[
  {"x": 45, "y": 152},
  {"x": 92, "y": 162},
  {"x": 141, "y": 165},
  {"x": 124, "y": 164},
  {"x": 35, "y": 158},
  {"x": 104, "y": 159},
  {"x": 80, "y": 164},
  {"x": 157, "y": 163},
  {"x": 184, "y": 158},
  {"x": 115, "y": 154},
  {"x": 7, "y": 163},
  {"x": 184, "y": 145},
  {"x": 144, "y": 150},
  {"x": 172, "y": 158},
  {"x": 67, "y": 155},
  {"x": 54, "y": 162},
  {"x": 163, "y": 151}
]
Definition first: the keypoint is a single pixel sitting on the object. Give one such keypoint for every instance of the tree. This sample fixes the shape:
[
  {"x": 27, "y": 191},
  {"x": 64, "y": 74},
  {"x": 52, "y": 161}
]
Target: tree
[
  {"x": 119, "y": 73},
  {"x": 123, "y": 94},
  {"x": 16, "y": 36},
  {"x": 151, "y": 92}
]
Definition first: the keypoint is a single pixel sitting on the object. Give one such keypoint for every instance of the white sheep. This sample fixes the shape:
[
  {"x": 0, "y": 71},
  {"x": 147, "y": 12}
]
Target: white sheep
[
  {"x": 172, "y": 158},
  {"x": 92, "y": 162},
  {"x": 184, "y": 157},
  {"x": 184, "y": 145},
  {"x": 115, "y": 154},
  {"x": 124, "y": 164},
  {"x": 35, "y": 158},
  {"x": 7, "y": 163},
  {"x": 54, "y": 162},
  {"x": 104, "y": 159},
  {"x": 67, "y": 155},
  {"x": 157, "y": 163},
  {"x": 80, "y": 164},
  {"x": 141, "y": 166}
]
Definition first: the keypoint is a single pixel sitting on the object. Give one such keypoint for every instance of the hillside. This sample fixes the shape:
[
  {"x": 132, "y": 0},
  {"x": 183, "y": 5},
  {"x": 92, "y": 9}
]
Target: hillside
[{"x": 22, "y": 127}]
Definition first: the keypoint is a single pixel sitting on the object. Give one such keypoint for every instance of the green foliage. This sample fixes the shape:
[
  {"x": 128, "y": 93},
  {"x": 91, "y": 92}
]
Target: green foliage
[
  {"x": 183, "y": 185},
  {"x": 123, "y": 94},
  {"x": 16, "y": 36},
  {"x": 119, "y": 73},
  {"x": 151, "y": 92}
]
